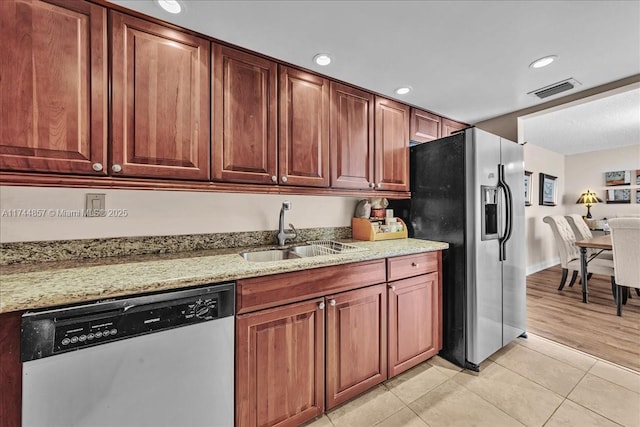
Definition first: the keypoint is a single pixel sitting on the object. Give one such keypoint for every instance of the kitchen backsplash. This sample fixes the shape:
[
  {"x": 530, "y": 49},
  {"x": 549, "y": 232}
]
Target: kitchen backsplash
[{"x": 66, "y": 250}]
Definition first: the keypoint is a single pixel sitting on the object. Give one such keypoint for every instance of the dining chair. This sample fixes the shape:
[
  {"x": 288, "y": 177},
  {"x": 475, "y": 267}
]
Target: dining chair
[
  {"x": 582, "y": 232},
  {"x": 570, "y": 254},
  {"x": 625, "y": 239}
]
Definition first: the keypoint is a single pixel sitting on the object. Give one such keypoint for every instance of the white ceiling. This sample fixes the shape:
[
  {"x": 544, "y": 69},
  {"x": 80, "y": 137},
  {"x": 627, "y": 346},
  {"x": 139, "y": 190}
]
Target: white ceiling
[
  {"x": 467, "y": 60},
  {"x": 602, "y": 123}
]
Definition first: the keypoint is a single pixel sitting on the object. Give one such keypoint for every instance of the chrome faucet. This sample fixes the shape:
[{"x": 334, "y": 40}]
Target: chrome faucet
[{"x": 283, "y": 236}]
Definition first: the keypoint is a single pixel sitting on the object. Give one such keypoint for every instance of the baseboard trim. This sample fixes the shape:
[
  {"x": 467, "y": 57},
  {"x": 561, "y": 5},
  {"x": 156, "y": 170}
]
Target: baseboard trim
[{"x": 541, "y": 266}]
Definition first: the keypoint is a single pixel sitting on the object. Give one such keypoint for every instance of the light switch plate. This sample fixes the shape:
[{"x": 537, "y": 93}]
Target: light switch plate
[{"x": 95, "y": 205}]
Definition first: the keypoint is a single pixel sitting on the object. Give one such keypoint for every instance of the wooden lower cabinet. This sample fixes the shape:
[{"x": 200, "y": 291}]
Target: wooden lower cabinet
[
  {"x": 280, "y": 365},
  {"x": 414, "y": 321},
  {"x": 357, "y": 325},
  {"x": 356, "y": 342}
]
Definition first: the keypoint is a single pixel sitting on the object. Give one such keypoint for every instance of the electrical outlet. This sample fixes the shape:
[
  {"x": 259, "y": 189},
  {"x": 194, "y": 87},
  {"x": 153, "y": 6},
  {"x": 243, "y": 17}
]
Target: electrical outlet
[{"x": 95, "y": 205}]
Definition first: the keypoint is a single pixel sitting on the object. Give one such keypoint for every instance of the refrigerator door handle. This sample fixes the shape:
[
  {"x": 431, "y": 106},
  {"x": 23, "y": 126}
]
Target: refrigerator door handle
[{"x": 508, "y": 213}]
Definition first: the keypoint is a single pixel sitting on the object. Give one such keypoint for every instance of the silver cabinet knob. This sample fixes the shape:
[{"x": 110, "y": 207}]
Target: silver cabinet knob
[
  {"x": 378, "y": 185},
  {"x": 274, "y": 178},
  {"x": 392, "y": 287},
  {"x": 332, "y": 302},
  {"x": 97, "y": 167},
  {"x": 116, "y": 168},
  {"x": 415, "y": 264},
  {"x": 371, "y": 185},
  {"x": 321, "y": 305},
  {"x": 284, "y": 178}
]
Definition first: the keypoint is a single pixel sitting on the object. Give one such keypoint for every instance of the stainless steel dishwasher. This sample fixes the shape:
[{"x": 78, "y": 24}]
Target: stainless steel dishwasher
[{"x": 164, "y": 359}]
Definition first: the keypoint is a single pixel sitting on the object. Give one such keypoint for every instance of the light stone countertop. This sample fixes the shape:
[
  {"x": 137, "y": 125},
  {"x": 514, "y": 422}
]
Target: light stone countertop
[{"x": 48, "y": 285}]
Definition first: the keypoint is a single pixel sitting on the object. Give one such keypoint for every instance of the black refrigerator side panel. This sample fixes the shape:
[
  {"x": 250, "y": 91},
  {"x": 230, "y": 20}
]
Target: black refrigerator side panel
[{"x": 438, "y": 212}]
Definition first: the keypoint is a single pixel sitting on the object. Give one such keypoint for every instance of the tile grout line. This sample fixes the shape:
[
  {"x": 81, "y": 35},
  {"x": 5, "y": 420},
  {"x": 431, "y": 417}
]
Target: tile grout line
[
  {"x": 626, "y": 368},
  {"x": 584, "y": 373},
  {"x": 565, "y": 348},
  {"x": 595, "y": 412},
  {"x": 491, "y": 403}
]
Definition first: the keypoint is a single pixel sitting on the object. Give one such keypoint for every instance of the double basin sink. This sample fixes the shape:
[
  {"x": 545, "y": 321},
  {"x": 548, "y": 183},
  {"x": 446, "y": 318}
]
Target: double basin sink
[{"x": 316, "y": 248}]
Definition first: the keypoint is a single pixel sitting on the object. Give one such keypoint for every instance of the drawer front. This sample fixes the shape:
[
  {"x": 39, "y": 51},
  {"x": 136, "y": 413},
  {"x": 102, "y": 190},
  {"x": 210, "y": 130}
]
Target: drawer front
[
  {"x": 411, "y": 265},
  {"x": 271, "y": 291}
]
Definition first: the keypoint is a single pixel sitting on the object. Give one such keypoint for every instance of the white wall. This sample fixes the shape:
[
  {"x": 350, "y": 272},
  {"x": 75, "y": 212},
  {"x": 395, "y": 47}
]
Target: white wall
[
  {"x": 152, "y": 213},
  {"x": 541, "y": 247},
  {"x": 586, "y": 171},
  {"x": 576, "y": 174}
]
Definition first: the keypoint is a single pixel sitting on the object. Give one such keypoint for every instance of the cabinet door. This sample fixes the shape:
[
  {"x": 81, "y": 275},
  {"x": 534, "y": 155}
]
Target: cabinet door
[
  {"x": 392, "y": 145},
  {"x": 414, "y": 325},
  {"x": 449, "y": 127},
  {"x": 160, "y": 104},
  {"x": 53, "y": 81},
  {"x": 425, "y": 126},
  {"x": 351, "y": 137},
  {"x": 244, "y": 117},
  {"x": 304, "y": 128},
  {"x": 356, "y": 342},
  {"x": 280, "y": 365}
]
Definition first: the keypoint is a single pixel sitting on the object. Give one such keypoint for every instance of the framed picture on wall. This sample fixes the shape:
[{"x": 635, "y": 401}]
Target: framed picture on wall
[
  {"x": 548, "y": 190},
  {"x": 617, "y": 178},
  {"x": 527, "y": 188},
  {"x": 619, "y": 196}
]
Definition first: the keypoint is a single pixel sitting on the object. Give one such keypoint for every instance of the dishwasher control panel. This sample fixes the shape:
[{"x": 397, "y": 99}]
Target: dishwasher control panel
[{"x": 57, "y": 331}]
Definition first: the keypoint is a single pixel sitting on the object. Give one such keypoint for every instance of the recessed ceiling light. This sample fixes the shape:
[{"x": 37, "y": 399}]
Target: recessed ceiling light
[
  {"x": 171, "y": 6},
  {"x": 543, "y": 62},
  {"x": 403, "y": 90},
  {"x": 322, "y": 59}
]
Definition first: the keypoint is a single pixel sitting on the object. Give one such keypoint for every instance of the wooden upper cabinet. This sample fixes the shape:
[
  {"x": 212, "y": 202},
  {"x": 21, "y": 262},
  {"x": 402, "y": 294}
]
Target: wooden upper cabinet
[
  {"x": 352, "y": 137},
  {"x": 53, "y": 86},
  {"x": 392, "y": 145},
  {"x": 448, "y": 127},
  {"x": 356, "y": 342},
  {"x": 304, "y": 128},
  {"x": 244, "y": 117},
  {"x": 425, "y": 126},
  {"x": 280, "y": 365},
  {"x": 160, "y": 104}
]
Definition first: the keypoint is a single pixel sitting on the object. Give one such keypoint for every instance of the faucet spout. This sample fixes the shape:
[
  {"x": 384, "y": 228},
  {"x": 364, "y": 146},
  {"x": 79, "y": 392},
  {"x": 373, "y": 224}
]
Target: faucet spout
[{"x": 283, "y": 235}]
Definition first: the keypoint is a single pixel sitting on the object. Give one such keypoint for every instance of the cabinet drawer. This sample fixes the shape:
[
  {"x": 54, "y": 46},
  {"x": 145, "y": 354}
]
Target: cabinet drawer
[
  {"x": 411, "y": 265},
  {"x": 270, "y": 291}
]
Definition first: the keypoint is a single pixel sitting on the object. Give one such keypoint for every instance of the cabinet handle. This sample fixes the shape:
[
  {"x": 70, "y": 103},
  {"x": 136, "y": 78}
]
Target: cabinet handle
[
  {"x": 415, "y": 264},
  {"x": 371, "y": 185},
  {"x": 274, "y": 178},
  {"x": 116, "y": 168},
  {"x": 321, "y": 305},
  {"x": 378, "y": 185},
  {"x": 284, "y": 178},
  {"x": 332, "y": 302},
  {"x": 392, "y": 287},
  {"x": 97, "y": 167}
]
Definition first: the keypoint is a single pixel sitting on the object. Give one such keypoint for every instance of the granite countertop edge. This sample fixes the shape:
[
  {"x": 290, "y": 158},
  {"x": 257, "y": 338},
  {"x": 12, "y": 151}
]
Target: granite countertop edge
[{"x": 46, "y": 287}]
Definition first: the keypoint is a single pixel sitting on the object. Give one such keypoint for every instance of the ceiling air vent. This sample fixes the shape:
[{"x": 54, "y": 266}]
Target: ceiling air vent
[{"x": 555, "y": 88}]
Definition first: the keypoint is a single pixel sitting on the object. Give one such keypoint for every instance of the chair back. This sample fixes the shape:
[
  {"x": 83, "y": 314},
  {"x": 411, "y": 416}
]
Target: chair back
[
  {"x": 565, "y": 238},
  {"x": 579, "y": 227},
  {"x": 625, "y": 239}
]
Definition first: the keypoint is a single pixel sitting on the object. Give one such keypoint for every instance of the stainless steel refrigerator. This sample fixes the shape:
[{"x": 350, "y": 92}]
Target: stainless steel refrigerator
[{"x": 468, "y": 190}]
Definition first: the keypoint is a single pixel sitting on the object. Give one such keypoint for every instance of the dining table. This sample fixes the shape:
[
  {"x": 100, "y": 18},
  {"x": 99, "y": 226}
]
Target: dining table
[{"x": 600, "y": 242}]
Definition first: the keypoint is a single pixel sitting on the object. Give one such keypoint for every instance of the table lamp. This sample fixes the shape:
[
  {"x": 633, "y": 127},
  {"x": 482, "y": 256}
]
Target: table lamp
[{"x": 588, "y": 198}]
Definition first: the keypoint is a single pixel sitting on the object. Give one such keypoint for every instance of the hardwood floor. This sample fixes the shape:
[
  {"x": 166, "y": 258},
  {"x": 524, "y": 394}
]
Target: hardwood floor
[{"x": 594, "y": 328}]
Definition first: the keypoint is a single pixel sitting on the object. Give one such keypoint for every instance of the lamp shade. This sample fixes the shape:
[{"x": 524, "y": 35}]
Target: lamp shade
[{"x": 589, "y": 198}]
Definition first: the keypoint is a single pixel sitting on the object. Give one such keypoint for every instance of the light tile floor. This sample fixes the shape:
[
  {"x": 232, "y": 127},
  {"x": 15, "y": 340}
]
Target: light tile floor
[{"x": 532, "y": 382}]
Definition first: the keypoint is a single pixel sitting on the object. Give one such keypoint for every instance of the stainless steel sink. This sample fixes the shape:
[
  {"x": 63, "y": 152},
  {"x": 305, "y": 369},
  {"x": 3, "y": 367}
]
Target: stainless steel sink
[
  {"x": 314, "y": 248},
  {"x": 270, "y": 255},
  {"x": 305, "y": 251}
]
